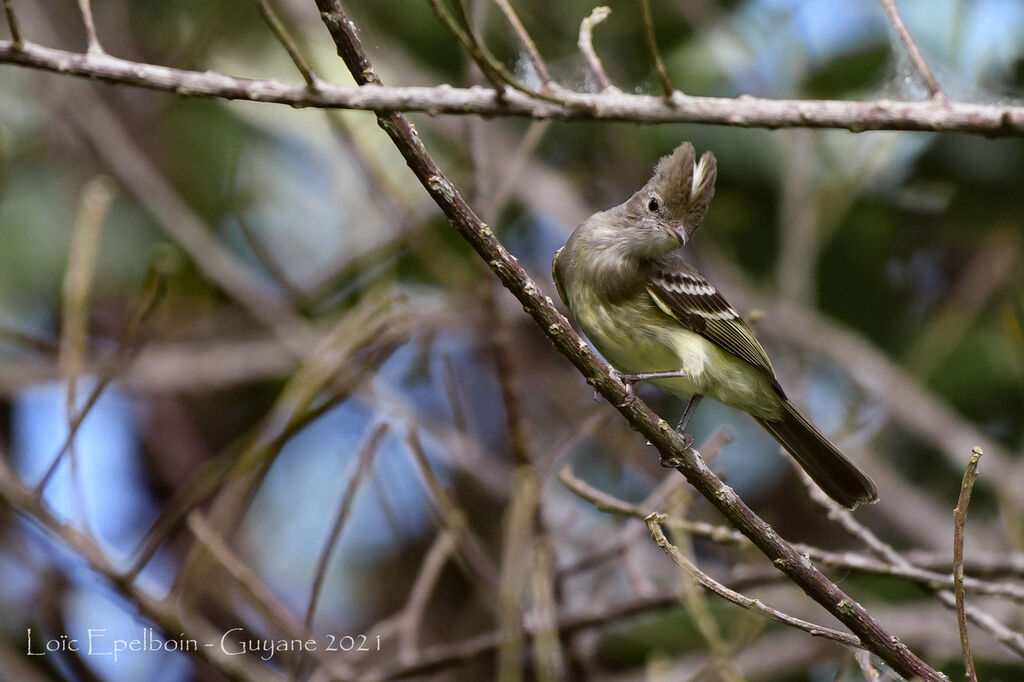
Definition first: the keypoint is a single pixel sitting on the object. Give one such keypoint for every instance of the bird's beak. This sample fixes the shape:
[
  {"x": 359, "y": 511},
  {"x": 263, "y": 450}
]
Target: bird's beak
[{"x": 677, "y": 232}]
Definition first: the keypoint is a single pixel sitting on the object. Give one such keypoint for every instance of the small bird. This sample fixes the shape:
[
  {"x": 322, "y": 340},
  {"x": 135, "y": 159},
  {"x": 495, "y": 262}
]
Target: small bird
[{"x": 655, "y": 318}]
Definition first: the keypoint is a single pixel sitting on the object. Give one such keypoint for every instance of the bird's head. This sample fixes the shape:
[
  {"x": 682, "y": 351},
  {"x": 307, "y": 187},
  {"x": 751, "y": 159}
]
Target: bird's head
[{"x": 670, "y": 207}]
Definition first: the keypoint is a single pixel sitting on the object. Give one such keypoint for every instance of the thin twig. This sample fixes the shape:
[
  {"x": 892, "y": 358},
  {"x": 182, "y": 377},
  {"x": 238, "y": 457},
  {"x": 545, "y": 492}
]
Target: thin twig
[
  {"x": 471, "y": 549},
  {"x": 12, "y": 24},
  {"x": 93, "y": 41},
  {"x": 362, "y": 468},
  {"x": 652, "y": 48},
  {"x": 426, "y": 580},
  {"x": 153, "y": 292},
  {"x": 100, "y": 124},
  {"x": 524, "y": 37},
  {"x": 912, "y": 49},
  {"x": 751, "y": 112},
  {"x": 586, "y": 45},
  {"x": 842, "y": 561},
  {"x": 289, "y": 44},
  {"x": 654, "y": 522},
  {"x": 86, "y": 234},
  {"x": 959, "y": 521},
  {"x": 494, "y": 71},
  {"x": 694, "y": 599},
  {"x": 1008, "y": 637},
  {"x": 600, "y": 499}
]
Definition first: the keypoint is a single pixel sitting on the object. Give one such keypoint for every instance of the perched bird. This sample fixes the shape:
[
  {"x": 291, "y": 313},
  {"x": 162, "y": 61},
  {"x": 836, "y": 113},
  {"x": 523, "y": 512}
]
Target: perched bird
[{"x": 655, "y": 318}]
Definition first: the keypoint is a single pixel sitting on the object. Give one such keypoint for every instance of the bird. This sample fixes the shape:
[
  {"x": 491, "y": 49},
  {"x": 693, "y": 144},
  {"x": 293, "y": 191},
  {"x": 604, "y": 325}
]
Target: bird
[{"x": 657, "y": 319}]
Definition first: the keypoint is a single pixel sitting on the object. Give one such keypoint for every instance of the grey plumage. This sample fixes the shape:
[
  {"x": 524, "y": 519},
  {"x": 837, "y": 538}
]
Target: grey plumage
[{"x": 648, "y": 310}]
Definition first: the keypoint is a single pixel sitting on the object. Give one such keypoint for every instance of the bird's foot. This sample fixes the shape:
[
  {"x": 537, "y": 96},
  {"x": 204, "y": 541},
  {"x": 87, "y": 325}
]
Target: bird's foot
[
  {"x": 687, "y": 440},
  {"x": 672, "y": 461},
  {"x": 628, "y": 380}
]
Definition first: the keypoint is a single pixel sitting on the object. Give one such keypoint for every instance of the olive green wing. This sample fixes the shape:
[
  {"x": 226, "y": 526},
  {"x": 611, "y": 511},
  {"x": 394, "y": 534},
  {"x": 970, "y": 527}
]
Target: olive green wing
[
  {"x": 682, "y": 292},
  {"x": 557, "y": 279}
]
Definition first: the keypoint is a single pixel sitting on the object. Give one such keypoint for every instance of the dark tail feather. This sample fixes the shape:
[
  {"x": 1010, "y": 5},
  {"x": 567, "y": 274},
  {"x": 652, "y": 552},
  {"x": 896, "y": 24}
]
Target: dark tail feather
[{"x": 830, "y": 469}]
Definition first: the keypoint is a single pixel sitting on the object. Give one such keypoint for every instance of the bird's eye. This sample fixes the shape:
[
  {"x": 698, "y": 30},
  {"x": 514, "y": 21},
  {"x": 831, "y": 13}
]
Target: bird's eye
[{"x": 652, "y": 204}]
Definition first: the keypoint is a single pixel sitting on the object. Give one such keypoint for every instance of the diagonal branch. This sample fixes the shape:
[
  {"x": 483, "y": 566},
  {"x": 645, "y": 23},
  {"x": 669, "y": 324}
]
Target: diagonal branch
[
  {"x": 748, "y": 112},
  {"x": 1010, "y": 638},
  {"x": 524, "y": 37},
  {"x": 654, "y": 522},
  {"x": 912, "y": 49},
  {"x": 586, "y": 45},
  {"x": 597, "y": 372},
  {"x": 12, "y": 24},
  {"x": 652, "y": 48},
  {"x": 288, "y": 43}
]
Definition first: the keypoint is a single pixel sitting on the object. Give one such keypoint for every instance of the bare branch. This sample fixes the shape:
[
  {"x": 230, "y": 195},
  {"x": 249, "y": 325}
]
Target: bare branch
[
  {"x": 362, "y": 467},
  {"x": 288, "y": 43},
  {"x": 152, "y": 294},
  {"x": 652, "y": 47},
  {"x": 86, "y": 234},
  {"x": 959, "y": 520},
  {"x": 1008, "y": 637},
  {"x": 915, "y": 53},
  {"x": 93, "y": 41},
  {"x": 654, "y": 526},
  {"x": 600, "y": 499},
  {"x": 422, "y": 588},
  {"x": 667, "y": 441},
  {"x": 470, "y": 548},
  {"x": 524, "y": 37},
  {"x": 842, "y": 561},
  {"x": 743, "y": 111},
  {"x": 586, "y": 44},
  {"x": 12, "y": 24}
]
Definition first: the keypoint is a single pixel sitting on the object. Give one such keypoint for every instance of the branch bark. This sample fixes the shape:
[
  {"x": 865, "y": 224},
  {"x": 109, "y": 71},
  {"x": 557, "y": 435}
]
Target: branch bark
[
  {"x": 668, "y": 442},
  {"x": 744, "y": 111}
]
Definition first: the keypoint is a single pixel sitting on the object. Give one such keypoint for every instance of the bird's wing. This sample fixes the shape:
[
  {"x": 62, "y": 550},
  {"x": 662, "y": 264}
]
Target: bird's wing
[
  {"x": 554, "y": 276},
  {"x": 682, "y": 292}
]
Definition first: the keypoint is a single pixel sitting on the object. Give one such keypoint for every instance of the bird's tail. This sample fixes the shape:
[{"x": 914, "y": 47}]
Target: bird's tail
[{"x": 830, "y": 469}]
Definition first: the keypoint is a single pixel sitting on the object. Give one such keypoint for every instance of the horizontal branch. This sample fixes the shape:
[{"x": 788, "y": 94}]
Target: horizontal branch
[{"x": 744, "y": 111}]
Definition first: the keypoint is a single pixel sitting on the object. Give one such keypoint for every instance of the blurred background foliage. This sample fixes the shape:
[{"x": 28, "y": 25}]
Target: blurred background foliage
[{"x": 909, "y": 242}]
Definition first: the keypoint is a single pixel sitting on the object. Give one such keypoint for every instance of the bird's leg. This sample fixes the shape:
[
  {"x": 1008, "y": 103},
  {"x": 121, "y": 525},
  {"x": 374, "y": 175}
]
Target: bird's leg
[
  {"x": 648, "y": 376},
  {"x": 632, "y": 379},
  {"x": 691, "y": 407}
]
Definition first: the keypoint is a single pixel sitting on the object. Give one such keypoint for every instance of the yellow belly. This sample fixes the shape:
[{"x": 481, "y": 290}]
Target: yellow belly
[{"x": 645, "y": 339}]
